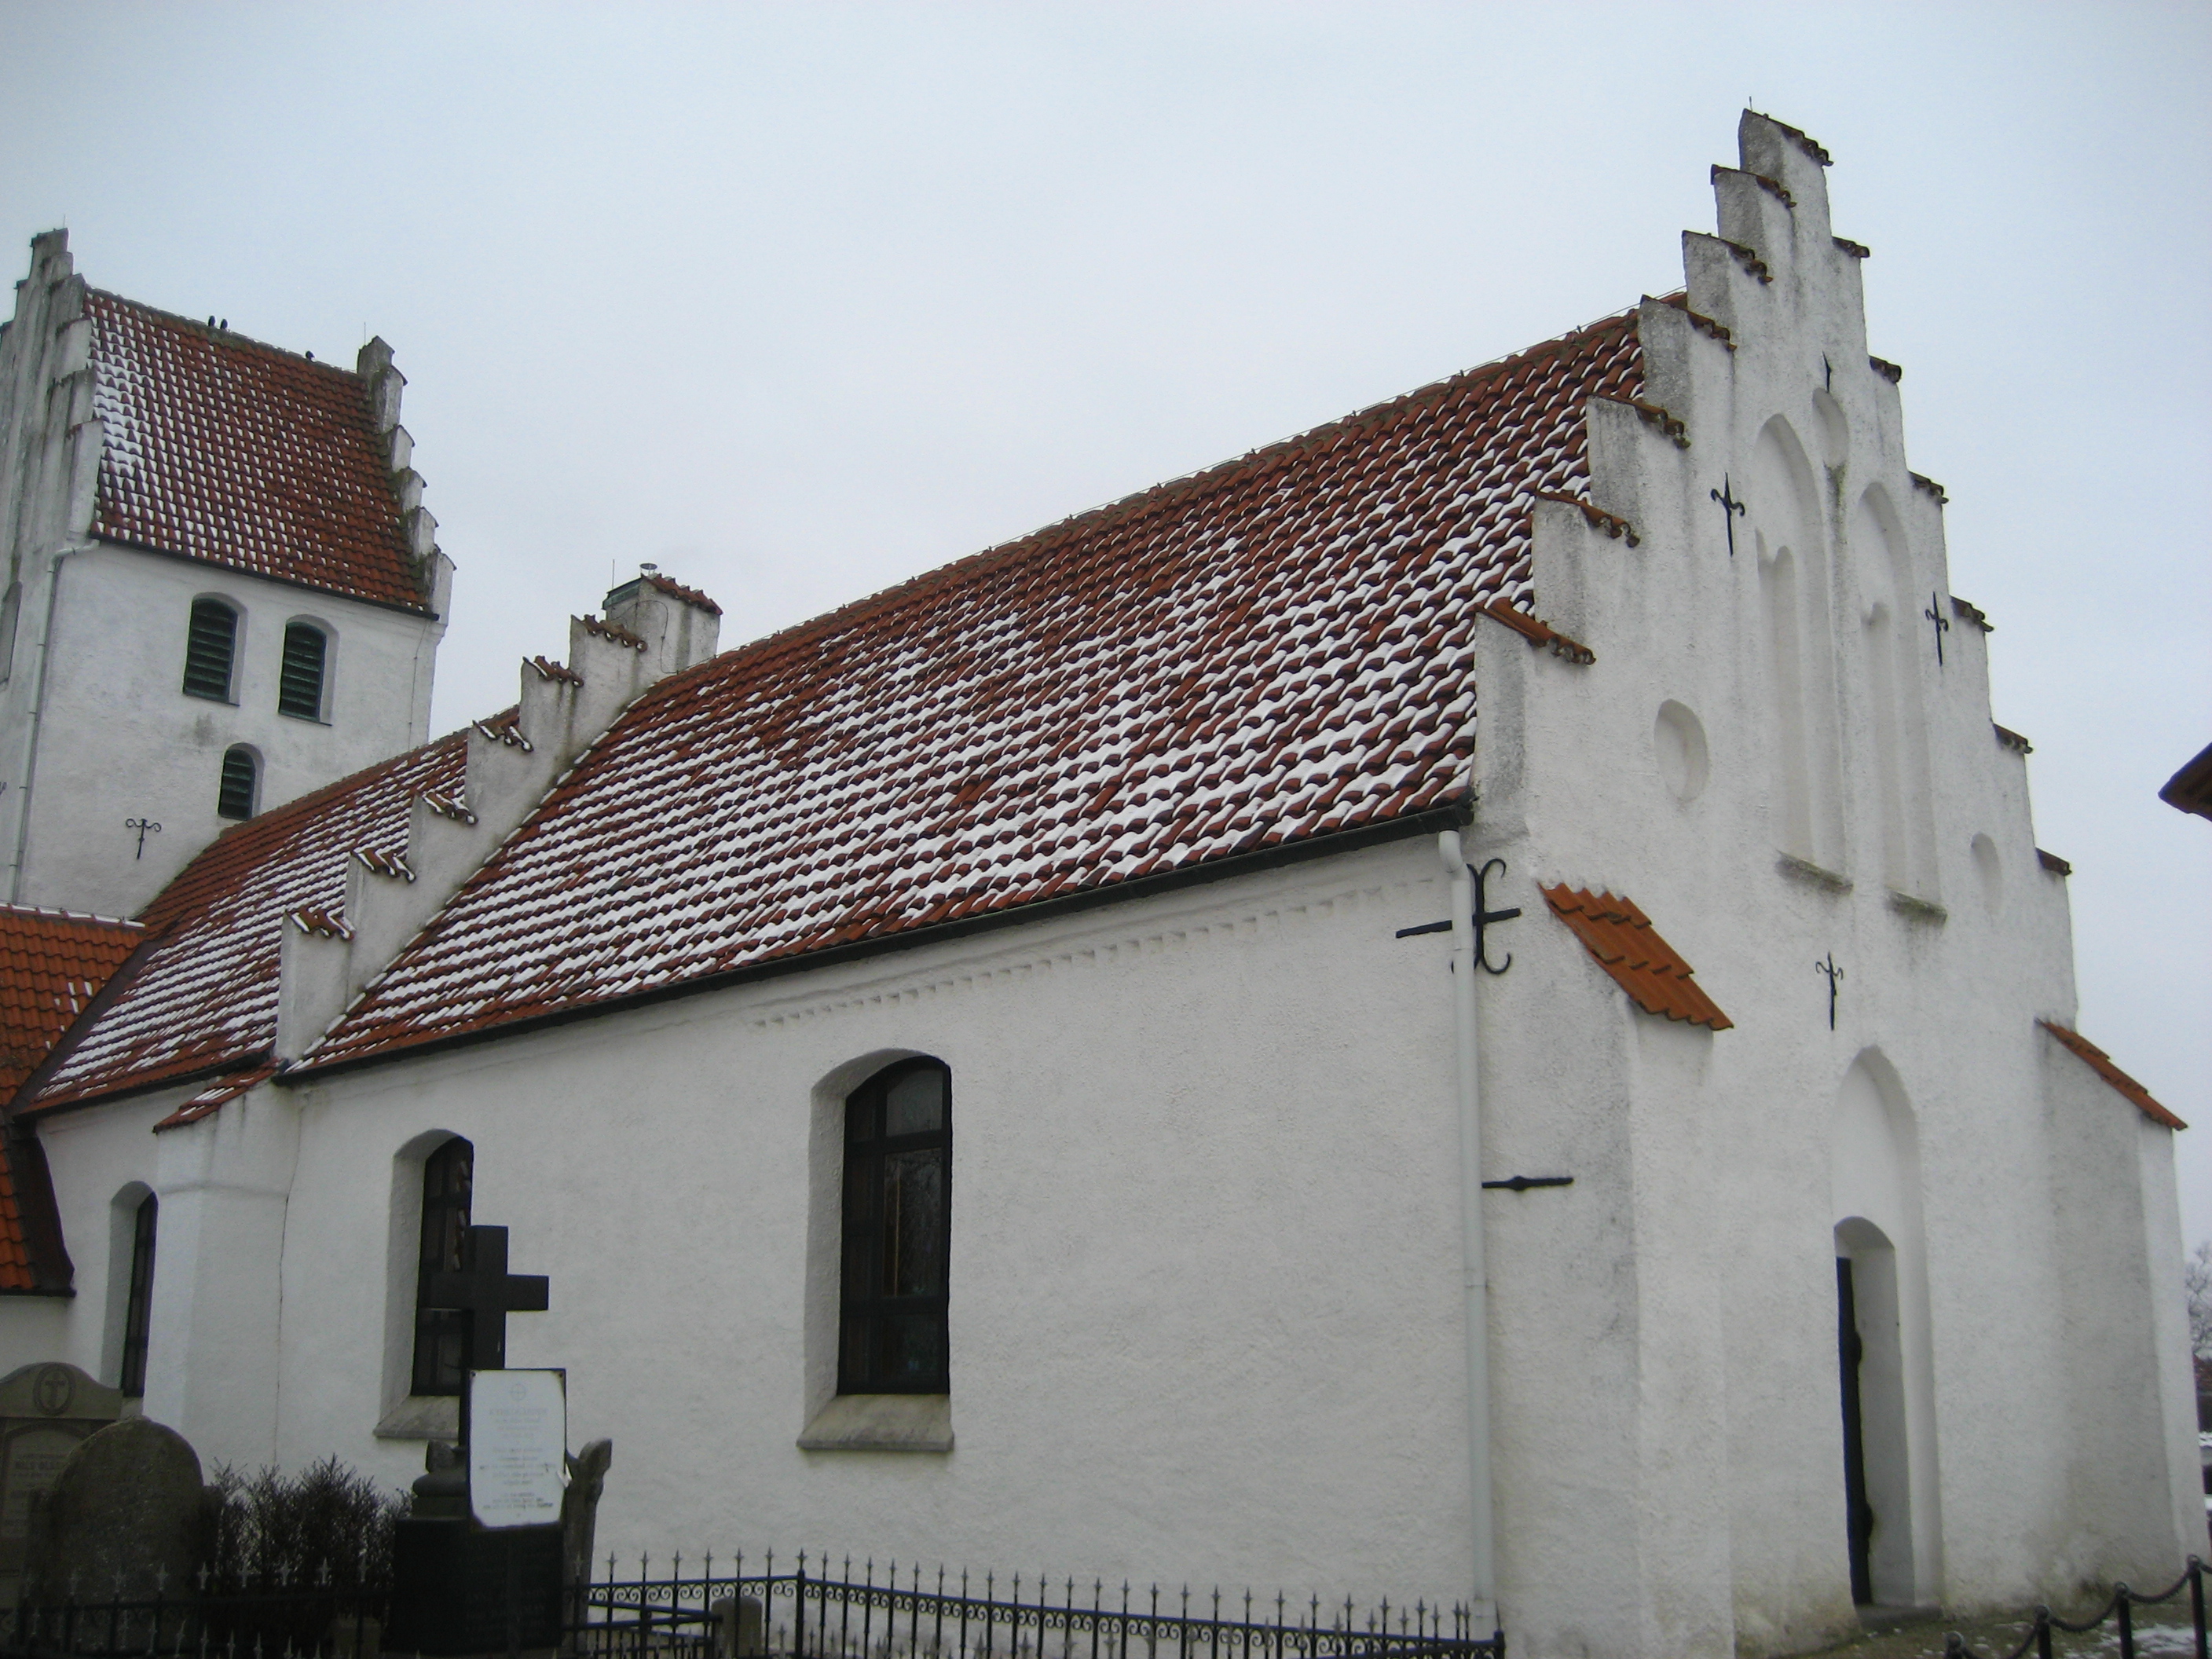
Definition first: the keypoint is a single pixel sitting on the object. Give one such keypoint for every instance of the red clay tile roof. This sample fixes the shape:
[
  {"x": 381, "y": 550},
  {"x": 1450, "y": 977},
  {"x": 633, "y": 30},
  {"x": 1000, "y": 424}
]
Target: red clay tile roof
[
  {"x": 1263, "y": 653},
  {"x": 1537, "y": 631},
  {"x": 2101, "y": 1063},
  {"x": 678, "y": 591},
  {"x": 52, "y": 964},
  {"x": 16, "y": 1271},
  {"x": 1627, "y": 947},
  {"x": 218, "y": 1094},
  {"x": 203, "y": 997},
  {"x": 223, "y": 449}
]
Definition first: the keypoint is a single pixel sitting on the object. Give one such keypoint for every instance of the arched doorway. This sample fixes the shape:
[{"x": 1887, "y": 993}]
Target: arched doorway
[
  {"x": 1891, "y": 1530},
  {"x": 1877, "y": 1473}
]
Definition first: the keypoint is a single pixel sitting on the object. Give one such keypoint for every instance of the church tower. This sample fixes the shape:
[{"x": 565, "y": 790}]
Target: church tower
[{"x": 221, "y": 591}]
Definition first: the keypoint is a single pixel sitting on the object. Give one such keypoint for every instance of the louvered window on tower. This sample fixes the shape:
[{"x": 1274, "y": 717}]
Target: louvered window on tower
[
  {"x": 299, "y": 681},
  {"x": 241, "y": 784},
  {"x": 209, "y": 650}
]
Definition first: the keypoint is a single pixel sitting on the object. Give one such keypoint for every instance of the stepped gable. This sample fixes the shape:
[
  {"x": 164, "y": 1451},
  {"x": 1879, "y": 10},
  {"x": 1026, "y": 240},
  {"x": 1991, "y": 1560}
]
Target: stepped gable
[
  {"x": 222, "y": 449},
  {"x": 1267, "y": 652},
  {"x": 203, "y": 997}
]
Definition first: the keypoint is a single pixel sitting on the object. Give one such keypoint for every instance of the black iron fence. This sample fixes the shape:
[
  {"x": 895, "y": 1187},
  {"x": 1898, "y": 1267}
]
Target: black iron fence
[
  {"x": 810, "y": 1612},
  {"x": 726, "y": 1610},
  {"x": 2119, "y": 1610},
  {"x": 264, "y": 1619}
]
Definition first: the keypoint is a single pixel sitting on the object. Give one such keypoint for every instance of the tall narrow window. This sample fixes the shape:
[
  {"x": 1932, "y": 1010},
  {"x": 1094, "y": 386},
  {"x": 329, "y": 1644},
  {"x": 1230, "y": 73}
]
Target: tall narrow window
[
  {"x": 210, "y": 648},
  {"x": 441, "y": 1335},
  {"x": 897, "y": 1231},
  {"x": 138, "y": 1309},
  {"x": 241, "y": 783},
  {"x": 299, "y": 679},
  {"x": 11, "y": 607}
]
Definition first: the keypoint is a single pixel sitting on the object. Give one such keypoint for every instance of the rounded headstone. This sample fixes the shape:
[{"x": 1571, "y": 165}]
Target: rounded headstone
[{"x": 125, "y": 1520}]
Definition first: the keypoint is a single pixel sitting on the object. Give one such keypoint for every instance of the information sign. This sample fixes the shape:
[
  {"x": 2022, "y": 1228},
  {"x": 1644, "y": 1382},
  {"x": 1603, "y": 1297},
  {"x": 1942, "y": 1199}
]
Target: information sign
[{"x": 517, "y": 1435}]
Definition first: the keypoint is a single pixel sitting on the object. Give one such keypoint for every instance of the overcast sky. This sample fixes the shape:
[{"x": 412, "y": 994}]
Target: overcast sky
[{"x": 797, "y": 300}]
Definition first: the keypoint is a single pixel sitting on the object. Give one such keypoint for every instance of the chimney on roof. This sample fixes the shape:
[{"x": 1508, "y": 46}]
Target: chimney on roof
[{"x": 680, "y": 625}]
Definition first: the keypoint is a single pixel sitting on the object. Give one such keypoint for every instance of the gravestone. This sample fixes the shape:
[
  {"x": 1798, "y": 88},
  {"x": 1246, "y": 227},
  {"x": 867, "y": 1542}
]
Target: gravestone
[
  {"x": 478, "y": 1568},
  {"x": 45, "y": 1411},
  {"x": 124, "y": 1521}
]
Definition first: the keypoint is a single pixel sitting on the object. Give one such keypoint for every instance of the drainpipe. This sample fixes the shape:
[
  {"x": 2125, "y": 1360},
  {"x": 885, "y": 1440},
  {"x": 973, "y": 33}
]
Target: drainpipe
[
  {"x": 1482, "y": 1517},
  {"x": 31, "y": 737}
]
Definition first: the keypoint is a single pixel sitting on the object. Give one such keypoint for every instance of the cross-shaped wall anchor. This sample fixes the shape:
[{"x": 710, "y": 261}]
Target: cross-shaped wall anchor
[
  {"x": 1835, "y": 976},
  {"x": 1934, "y": 614},
  {"x": 1483, "y": 917},
  {"x": 1731, "y": 510},
  {"x": 487, "y": 1292},
  {"x": 145, "y": 827}
]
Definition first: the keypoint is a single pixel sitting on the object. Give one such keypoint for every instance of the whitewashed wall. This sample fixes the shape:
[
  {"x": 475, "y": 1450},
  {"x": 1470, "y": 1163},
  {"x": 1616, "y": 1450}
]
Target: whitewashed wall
[
  {"x": 120, "y": 740},
  {"x": 1950, "y": 955},
  {"x": 1203, "y": 1320}
]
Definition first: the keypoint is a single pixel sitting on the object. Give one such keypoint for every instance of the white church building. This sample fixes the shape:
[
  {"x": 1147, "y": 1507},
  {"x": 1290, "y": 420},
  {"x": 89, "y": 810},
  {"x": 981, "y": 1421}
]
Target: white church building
[{"x": 1010, "y": 1073}]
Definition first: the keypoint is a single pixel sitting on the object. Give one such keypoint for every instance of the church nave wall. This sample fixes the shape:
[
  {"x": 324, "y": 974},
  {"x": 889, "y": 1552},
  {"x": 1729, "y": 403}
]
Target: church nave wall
[{"x": 1204, "y": 1240}]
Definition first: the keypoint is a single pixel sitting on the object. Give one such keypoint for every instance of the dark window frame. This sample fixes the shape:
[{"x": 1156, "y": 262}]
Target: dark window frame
[
  {"x": 441, "y": 1335},
  {"x": 890, "y": 1341},
  {"x": 301, "y": 686},
  {"x": 211, "y": 650},
  {"x": 230, "y": 788},
  {"x": 138, "y": 1299}
]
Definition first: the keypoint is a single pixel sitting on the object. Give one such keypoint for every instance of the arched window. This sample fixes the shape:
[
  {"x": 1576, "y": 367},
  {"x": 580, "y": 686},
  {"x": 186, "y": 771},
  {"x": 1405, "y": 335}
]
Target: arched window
[
  {"x": 210, "y": 646},
  {"x": 300, "y": 678},
  {"x": 138, "y": 1306},
  {"x": 441, "y": 1335},
  {"x": 241, "y": 783},
  {"x": 897, "y": 1228}
]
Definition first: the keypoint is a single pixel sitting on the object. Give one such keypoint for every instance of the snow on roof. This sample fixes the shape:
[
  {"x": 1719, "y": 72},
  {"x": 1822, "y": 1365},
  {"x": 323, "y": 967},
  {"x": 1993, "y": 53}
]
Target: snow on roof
[
  {"x": 1270, "y": 651},
  {"x": 203, "y": 997},
  {"x": 222, "y": 449}
]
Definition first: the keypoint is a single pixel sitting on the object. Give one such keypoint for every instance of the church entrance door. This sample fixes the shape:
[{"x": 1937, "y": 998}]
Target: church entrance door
[{"x": 1858, "y": 1514}]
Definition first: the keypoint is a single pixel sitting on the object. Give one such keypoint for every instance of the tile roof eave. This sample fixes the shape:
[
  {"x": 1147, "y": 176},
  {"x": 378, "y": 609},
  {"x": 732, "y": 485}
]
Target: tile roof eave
[
  {"x": 19, "y": 1104},
  {"x": 419, "y": 610},
  {"x": 1452, "y": 815},
  {"x": 32, "y": 1110},
  {"x": 2119, "y": 1082}
]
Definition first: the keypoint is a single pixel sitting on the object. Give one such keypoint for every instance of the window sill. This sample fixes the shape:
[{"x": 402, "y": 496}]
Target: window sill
[
  {"x": 422, "y": 1417},
  {"x": 880, "y": 1422},
  {"x": 1812, "y": 874},
  {"x": 1917, "y": 909},
  {"x": 305, "y": 720}
]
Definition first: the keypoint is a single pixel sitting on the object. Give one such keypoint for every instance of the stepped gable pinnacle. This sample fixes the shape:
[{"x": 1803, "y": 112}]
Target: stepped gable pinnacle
[
  {"x": 203, "y": 999},
  {"x": 1266, "y": 654},
  {"x": 223, "y": 449}
]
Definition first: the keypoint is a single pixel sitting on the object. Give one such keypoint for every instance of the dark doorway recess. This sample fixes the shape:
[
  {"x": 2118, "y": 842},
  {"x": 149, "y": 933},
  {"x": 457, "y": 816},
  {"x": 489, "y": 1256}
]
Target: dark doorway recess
[{"x": 1858, "y": 1513}]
